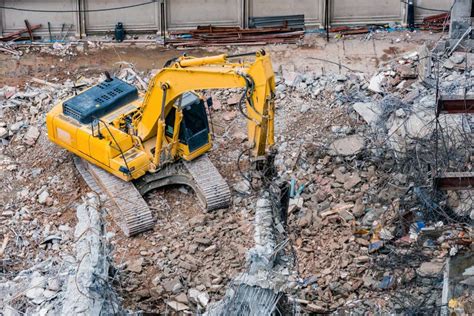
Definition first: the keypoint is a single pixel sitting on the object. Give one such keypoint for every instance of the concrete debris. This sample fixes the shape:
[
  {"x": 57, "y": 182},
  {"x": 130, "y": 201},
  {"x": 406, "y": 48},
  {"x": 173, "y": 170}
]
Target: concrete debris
[
  {"x": 430, "y": 269},
  {"x": 177, "y": 306},
  {"x": 43, "y": 197},
  {"x": 376, "y": 83},
  {"x": 51, "y": 287},
  {"x": 347, "y": 146},
  {"x": 457, "y": 58},
  {"x": 369, "y": 111},
  {"x": 305, "y": 107},
  {"x": 198, "y": 297},
  {"x": 135, "y": 265},
  {"x": 242, "y": 187},
  {"x": 87, "y": 289},
  {"x": 3, "y": 132},
  {"x": 31, "y": 135},
  {"x": 258, "y": 288},
  {"x": 357, "y": 148},
  {"x": 292, "y": 79}
]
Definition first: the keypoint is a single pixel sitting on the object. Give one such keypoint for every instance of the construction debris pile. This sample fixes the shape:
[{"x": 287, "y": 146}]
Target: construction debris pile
[
  {"x": 367, "y": 229},
  {"x": 72, "y": 283}
]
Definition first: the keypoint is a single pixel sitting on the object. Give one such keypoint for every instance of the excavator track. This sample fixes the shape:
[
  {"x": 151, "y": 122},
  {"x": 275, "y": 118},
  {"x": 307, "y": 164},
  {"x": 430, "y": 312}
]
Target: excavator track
[
  {"x": 131, "y": 212},
  {"x": 200, "y": 174},
  {"x": 214, "y": 191}
]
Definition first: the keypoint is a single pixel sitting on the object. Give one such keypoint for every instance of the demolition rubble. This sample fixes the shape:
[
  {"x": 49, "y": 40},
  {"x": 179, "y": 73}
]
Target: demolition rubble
[{"x": 365, "y": 230}]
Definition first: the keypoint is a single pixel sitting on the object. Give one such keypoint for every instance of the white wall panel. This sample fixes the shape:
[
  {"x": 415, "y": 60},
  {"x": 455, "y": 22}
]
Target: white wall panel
[
  {"x": 312, "y": 9},
  {"x": 183, "y": 14},
  {"x": 13, "y": 20},
  {"x": 433, "y": 4},
  {"x": 365, "y": 11},
  {"x": 144, "y": 17}
]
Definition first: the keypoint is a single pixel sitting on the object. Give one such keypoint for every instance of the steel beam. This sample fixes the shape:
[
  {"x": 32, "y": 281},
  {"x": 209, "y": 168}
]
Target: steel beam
[
  {"x": 455, "y": 104},
  {"x": 455, "y": 181}
]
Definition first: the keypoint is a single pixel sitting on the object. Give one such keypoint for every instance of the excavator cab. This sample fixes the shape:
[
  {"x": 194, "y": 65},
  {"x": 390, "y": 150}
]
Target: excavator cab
[{"x": 194, "y": 127}]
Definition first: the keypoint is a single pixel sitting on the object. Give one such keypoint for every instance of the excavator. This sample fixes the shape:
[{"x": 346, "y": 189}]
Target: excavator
[{"x": 127, "y": 143}]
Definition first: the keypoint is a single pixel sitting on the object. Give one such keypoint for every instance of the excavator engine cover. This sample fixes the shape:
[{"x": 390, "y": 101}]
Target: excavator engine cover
[{"x": 100, "y": 100}]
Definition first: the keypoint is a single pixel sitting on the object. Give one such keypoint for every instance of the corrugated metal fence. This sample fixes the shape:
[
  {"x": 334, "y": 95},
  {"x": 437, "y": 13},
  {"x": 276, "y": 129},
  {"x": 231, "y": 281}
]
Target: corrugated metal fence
[{"x": 147, "y": 15}]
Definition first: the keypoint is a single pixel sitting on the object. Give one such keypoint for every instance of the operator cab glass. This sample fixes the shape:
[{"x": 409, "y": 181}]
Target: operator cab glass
[{"x": 194, "y": 128}]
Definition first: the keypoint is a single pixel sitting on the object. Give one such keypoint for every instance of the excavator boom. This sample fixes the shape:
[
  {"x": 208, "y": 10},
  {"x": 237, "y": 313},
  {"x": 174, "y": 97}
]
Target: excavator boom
[{"x": 189, "y": 74}]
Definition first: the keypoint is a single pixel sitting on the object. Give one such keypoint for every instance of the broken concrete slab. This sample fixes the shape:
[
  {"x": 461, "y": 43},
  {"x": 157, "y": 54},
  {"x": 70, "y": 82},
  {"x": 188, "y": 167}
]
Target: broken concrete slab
[
  {"x": 370, "y": 111},
  {"x": 292, "y": 78},
  {"x": 43, "y": 197},
  {"x": 3, "y": 132},
  {"x": 135, "y": 265},
  {"x": 457, "y": 58},
  {"x": 177, "y": 306},
  {"x": 31, "y": 135},
  {"x": 352, "y": 181},
  {"x": 376, "y": 83},
  {"x": 347, "y": 146},
  {"x": 430, "y": 269},
  {"x": 16, "y": 126},
  {"x": 199, "y": 297}
]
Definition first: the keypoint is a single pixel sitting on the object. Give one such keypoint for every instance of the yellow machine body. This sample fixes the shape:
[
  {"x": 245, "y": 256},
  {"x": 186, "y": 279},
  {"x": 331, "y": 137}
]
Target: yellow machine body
[{"x": 147, "y": 133}]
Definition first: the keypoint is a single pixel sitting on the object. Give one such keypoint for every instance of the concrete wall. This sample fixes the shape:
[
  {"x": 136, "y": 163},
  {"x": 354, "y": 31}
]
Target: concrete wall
[
  {"x": 182, "y": 14},
  {"x": 365, "y": 11},
  {"x": 432, "y": 4},
  {"x": 190, "y": 13},
  {"x": 312, "y": 9},
  {"x": 461, "y": 18},
  {"x": 138, "y": 18},
  {"x": 14, "y": 20}
]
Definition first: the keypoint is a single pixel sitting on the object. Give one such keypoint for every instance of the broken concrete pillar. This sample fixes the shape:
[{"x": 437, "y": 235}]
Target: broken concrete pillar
[
  {"x": 261, "y": 254},
  {"x": 258, "y": 290},
  {"x": 460, "y": 18},
  {"x": 88, "y": 291}
]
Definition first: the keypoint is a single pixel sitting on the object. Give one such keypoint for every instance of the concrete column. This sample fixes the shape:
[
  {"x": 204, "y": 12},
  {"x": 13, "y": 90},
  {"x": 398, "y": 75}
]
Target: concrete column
[
  {"x": 2, "y": 12},
  {"x": 460, "y": 18}
]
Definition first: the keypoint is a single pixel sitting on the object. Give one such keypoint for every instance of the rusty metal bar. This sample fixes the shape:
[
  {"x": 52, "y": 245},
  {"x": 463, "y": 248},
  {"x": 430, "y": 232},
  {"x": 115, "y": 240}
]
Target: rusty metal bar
[
  {"x": 30, "y": 31},
  {"x": 455, "y": 104},
  {"x": 455, "y": 181}
]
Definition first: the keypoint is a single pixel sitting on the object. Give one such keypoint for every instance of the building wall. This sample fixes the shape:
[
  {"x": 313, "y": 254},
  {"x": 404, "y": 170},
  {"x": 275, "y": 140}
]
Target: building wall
[
  {"x": 183, "y": 14},
  {"x": 137, "y": 18},
  {"x": 432, "y": 4},
  {"x": 312, "y": 9},
  {"x": 365, "y": 11},
  {"x": 190, "y": 13},
  {"x": 15, "y": 20}
]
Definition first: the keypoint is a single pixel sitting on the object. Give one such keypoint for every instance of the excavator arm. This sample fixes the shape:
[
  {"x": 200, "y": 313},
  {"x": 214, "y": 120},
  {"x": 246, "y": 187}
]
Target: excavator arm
[{"x": 216, "y": 72}]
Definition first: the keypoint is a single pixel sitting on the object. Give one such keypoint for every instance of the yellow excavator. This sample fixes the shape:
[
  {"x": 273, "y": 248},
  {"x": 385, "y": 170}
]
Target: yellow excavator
[{"x": 128, "y": 143}]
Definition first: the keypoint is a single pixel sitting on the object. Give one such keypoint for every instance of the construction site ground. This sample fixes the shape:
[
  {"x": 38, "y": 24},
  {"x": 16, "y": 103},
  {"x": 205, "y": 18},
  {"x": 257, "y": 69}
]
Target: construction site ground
[{"x": 188, "y": 248}]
